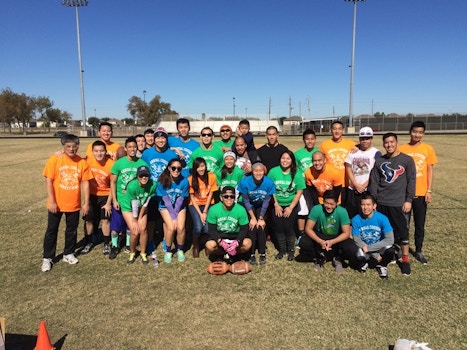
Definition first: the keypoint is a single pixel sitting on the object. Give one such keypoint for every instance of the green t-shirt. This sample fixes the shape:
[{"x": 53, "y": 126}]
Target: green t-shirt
[
  {"x": 219, "y": 144},
  {"x": 228, "y": 222},
  {"x": 230, "y": 179},
  {"x": 303, "y": 157},
  {"x": 285, "y": 191},
  {"x": 214, "y": 158},
  {"x": 125, "y": 170},
  {"x": 329, "y": 224},
  {"x": 135, "y": 191}
]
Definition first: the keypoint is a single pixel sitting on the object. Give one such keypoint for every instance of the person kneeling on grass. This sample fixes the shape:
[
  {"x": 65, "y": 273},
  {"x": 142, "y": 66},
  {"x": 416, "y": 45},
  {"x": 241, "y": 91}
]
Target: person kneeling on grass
[
  {"x": 373, "y": 234},
  {"x": 228, "y": 227},
  {"x": 134, "y": 205},
  {"x": 327, "y": 235}
]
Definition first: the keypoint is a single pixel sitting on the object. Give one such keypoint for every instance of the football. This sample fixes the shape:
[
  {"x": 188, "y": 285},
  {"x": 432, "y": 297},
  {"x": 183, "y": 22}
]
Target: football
[
  {"x": 217, "y": 268},
  {"x": 120, "y": 152},
  {"x": 240, "y": 268}
]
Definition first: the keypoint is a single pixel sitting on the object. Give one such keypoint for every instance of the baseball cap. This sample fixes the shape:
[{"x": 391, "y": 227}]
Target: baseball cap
[
  {"x": 230, "y": 154},
  {"x": 160, "y": 131},
  {"x": 142, "y": 170},
  {"x": 366, "y": 131},
  {"x": 225, "y": 126},
  {"x": 228, "y": 188}
]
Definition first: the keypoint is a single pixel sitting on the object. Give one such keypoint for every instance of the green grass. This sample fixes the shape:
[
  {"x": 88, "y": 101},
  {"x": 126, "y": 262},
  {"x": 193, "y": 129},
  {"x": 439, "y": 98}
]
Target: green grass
[{"x": 103, "y": 304}]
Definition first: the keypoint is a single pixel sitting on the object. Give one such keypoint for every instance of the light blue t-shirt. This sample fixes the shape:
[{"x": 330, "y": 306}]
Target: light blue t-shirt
[
  {"x": 256, "y": 193},
  {"x": 372, "y": 230},
  {"x": 158, "y": 161}
]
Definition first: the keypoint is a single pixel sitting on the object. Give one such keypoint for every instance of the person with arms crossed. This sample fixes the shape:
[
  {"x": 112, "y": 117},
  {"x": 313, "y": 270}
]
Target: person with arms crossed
[{"x": 425, "y": 158}]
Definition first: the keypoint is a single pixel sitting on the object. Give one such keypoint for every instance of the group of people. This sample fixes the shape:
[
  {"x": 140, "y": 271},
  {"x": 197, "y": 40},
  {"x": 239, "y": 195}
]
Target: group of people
[{"x": 343, "y": 202}]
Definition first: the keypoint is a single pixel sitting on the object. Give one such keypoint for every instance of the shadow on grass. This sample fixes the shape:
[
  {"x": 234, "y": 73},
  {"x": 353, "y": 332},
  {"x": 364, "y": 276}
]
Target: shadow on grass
[{"x": 27, "y": 342}]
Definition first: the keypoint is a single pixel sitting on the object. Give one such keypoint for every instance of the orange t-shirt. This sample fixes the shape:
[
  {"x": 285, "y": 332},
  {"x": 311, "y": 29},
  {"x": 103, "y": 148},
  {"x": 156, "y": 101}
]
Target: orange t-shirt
[
  {"x": 336, "y": 153},
  {"x": 324, "y": 181},
  {"x": 100, "y": 184},
  {"x": 111, "y": 148},
  {"x": 204, "y": 190},
  {"x": 423, "y": 155},
  {"x": 67, "y": 174}
]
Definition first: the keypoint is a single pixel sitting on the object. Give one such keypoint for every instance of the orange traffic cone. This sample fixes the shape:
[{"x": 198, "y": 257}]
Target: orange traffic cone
[{"x": 43, "y": 340}]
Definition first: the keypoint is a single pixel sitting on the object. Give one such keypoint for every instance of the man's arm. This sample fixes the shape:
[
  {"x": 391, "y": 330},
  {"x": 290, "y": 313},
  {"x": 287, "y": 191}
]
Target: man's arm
[
  {"x": 113, "y": 191},
  {"x": 388, "y": 240},
  {"x": 51, "y": 195},
  {"x": 85, "y": 187},
  {"x": 429, "y": 181}
]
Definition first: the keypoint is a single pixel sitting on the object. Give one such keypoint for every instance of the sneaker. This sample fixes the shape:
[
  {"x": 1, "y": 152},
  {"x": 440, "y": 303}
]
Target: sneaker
[
  {"x": 106, "y": 249},
  {"x": 420, "y": 257},
  {"x": 363, "y": 268},
  {"x": 280, "y": 256},
  {"x": 46, "y": 265},
  {"x": 290, "y": 256},
  {"x": 70, "y": 259},
  {"x": 382, "y": 272},
  {"x": 338, "y": 266},
  {"x": 113, "y": 253},
  {"x": 405, "y": 268},
  {"x": 168, "y": 257},
  {"x": 317, "y": 266},
  {"x": 144, "y": 259},
  {"x": 154, "y": 260},
  {"x": 127, "y": 249},
  {"x": 181, "y": 255},
  {"x": 262, "y": 259},
  {"x": 252, "y": 260},
  {"x": 131, "y": 259},
  {"x": 87, "y": 248},
  {"x": 297, "y": 241}
]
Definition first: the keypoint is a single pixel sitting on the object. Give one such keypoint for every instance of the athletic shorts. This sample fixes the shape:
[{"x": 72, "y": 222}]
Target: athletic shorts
[
  {"x": 117, "y": 222},
  {"x": 398, "y": 220},
  {"x": 96, "y": 212}
]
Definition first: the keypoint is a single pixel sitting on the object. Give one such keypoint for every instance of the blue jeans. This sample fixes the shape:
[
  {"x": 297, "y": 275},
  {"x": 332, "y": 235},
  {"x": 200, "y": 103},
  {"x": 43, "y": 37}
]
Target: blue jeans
[{"x": 198, "y": 227}]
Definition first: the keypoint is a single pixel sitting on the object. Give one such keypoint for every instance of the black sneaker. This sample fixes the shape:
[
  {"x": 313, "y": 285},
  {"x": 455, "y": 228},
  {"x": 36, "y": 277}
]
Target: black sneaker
[
  {"x": 87, "y": 248},
  {"x": 113, "y": 253},
  {"x": 131, "y": 259},
  {"x": 280, "y": 256},
  {"x": 262, "y": 259},
  {"x": 405, "y": 268},
  {"x": 364, "y": 267},
  {"x": 127, "y": 249},
  {"x": 290, "y": 256},
  {"x": 382, "y": 272},
  {"x": 253, "y": 260},
  {"x": 420, "y": 257}
]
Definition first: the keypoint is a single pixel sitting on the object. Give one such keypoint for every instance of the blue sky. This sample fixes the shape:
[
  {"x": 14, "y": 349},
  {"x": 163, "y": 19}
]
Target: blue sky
[{"x": 410, "y": 55}]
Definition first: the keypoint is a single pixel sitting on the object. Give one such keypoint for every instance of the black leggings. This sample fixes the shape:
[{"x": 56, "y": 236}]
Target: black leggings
[
  {"x": 284, "y": 228},
  {"x": 257, "y": 235}
]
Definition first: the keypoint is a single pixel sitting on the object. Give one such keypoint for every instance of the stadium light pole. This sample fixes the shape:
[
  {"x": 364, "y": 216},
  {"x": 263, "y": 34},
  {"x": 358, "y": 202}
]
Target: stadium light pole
[
  {"x": 352, "y": 64},
  {"x": 233, "y": 99},
  {"x": 76, "y": 4}
]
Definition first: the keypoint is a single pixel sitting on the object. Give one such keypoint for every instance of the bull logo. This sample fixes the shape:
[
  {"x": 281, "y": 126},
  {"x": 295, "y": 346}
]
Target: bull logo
[{"x": 391, "y": 175}]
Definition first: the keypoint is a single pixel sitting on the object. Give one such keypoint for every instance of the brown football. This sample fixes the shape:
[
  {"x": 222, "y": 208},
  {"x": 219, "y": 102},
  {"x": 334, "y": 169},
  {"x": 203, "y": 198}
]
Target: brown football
[
  {"x": 217, "y": 268},
  {"x": 240, "y": 268}
]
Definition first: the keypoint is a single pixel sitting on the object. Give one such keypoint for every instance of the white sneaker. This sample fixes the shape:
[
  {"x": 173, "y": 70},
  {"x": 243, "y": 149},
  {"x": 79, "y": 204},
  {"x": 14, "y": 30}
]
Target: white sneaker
[
  {"x": 46, "y": 265},
  {"x": 70, "y": 259}
]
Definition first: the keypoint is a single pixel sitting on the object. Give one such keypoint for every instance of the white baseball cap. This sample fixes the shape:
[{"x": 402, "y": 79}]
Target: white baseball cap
[{"x": 366, "y": 131}]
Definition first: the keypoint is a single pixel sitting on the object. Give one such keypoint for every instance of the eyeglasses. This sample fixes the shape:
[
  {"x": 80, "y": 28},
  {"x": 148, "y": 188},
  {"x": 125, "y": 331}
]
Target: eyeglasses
[
  {"x": 143, "y": 175},
  {"x": 226, "y": 130},
  {"x": 228, "y": 196},
  {"x": 204, "y": 135},
  {"x": 176, "y": 168}
]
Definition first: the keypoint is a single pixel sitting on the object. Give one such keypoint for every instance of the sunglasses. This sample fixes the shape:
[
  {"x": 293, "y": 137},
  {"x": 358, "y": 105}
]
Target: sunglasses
[
  {"x": 176, "y": 168},
  {"x": 143, "y": 175},
  {"x": 366, "y": 134},
  {"x": 206, "y": 135},
  {"x": 225, "y": 130},
  {"x": 228, "y": 196}
]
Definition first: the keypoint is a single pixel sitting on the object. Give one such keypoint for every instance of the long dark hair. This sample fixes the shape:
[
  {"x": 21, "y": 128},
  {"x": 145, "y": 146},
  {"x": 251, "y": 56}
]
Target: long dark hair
[
  {"x": 165, "y": 178},
  {"x": 195, "y": 177},
  {"x": 293, "y": 166},
  {"x": 225, "y": 171}
]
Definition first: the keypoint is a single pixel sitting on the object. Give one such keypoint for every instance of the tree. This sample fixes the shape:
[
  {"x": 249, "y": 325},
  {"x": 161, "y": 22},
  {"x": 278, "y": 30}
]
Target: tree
[
  {"x": 148, "y": 113},
  {"x": 94, "y": 122},
  {"x": 7, "y": 108},
  {"x": 42, "y": 105},
  {"x": 25, "y": 107}
]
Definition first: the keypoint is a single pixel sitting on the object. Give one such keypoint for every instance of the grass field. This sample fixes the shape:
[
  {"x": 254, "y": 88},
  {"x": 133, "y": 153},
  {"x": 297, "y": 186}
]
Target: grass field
[{"x": 104, "y": 304}]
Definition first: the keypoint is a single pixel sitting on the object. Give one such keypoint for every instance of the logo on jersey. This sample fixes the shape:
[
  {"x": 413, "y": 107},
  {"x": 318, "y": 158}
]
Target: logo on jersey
[{"x": 390, "y": 174}]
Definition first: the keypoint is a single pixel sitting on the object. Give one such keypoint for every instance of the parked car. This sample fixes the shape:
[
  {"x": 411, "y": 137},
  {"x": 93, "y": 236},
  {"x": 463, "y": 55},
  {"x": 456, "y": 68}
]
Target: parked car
[{"x": 60, "y": 133}]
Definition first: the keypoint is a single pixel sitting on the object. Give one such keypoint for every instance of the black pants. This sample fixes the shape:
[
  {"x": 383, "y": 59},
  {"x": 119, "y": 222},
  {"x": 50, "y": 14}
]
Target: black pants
[
  {"x": 50, "y": 239},
  {"x": 257, "y": 236},
  {"x": 419, "y": 215},
  {"x": 347, "y": 249},
  {"x": 399, "y": 222},
  {"x": 285, "y": 234}
]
